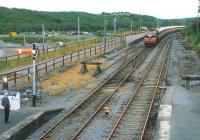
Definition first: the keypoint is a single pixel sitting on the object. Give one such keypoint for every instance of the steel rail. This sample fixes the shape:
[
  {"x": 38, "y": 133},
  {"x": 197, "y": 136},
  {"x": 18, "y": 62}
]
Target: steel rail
[
  {"x": 77, "y": 106},
  {"x": 127, "y": 51},
  {"x": 100, "y": 107},
  {"x": 133, "y": 95},
  {"x": 156, "y": 88}
]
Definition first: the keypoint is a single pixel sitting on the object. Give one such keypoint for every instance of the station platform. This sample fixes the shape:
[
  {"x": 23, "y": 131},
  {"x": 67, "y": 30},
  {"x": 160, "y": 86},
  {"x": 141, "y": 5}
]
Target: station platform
[
  {"x": 179, "y": 115},
  {"x": 15, "y": 117}
]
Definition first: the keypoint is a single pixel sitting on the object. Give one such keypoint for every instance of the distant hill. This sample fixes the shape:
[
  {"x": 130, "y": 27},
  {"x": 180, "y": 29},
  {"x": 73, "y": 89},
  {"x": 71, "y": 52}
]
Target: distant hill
[{"x": 23, "y": 20}]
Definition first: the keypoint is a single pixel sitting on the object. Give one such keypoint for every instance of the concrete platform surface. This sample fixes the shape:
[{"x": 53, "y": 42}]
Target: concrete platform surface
[
  {"x": 20, "y": 129},
  {"x": 15, "y": 117},
  {"x": 179, "y": 116}
]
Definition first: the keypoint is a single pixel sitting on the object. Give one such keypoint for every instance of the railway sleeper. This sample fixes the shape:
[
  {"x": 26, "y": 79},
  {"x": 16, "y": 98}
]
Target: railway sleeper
[
  {"x": 141, "y": 103},
  {"x": 107, "y": 90},
  {"x": 139, "y": 108},
  {"x": 138, "y": 114},
  {"x": 110, "y": 85},
  {"x": 147, "y": 90},
  {"x": 150, "y": 81},
  {"x": 124, "y": 132},
  {"x": 133, "y": 119},
  {"x": 137, "y": 97},
  {"x": 133, "y": 136},
  {"x": 141, "y": 100},
  {"x": 130, "y": 115},
  {"x": 115, "y": 81},
  {"x": 133, "y": 125}
]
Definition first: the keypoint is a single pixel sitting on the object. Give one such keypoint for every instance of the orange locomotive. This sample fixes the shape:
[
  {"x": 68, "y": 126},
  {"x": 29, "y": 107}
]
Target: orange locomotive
[{"x": 152, "y": 37}]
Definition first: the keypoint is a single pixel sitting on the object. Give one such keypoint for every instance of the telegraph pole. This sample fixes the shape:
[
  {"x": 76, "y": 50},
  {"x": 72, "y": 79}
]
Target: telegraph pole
[
  {"x": 197, "y": 25},
  {"x": 158, "y": 23},
  {"x": 198, "y": 19},
  {"x": 24, "y": 40},
  {"x": 131, "y": 25},
  {"x": 78, "y": 32},
  {"x": 105, "y": 24},
  {"x": 140, "y": 23},
  {"x": 43, "y": 35},
  {"x": 115, "y": 26}
]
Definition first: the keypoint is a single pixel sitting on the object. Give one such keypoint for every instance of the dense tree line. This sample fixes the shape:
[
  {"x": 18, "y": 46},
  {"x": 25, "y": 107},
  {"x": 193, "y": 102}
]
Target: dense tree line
[
  {"x": 23, "y": 20},
  {"x": 192, "y": 34}
]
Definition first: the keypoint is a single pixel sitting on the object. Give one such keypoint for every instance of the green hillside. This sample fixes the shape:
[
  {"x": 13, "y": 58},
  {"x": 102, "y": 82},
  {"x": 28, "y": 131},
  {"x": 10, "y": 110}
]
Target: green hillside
[{"x": 22, "y": 20}]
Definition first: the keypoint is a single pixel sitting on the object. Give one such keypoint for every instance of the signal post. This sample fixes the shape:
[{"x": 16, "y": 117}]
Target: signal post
[{"x": 32, "y": 51}]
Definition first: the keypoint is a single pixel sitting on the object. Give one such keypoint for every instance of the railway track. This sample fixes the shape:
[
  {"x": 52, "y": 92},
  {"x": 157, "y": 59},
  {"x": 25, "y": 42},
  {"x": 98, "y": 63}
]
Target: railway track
[
  {"x": 123, "y": 57},
  {"x": 133, "y": 121},
  {"x": 127, "y": 50},
  {"x": 119, "y": 56},
  {"x": 75, "y": 120}
]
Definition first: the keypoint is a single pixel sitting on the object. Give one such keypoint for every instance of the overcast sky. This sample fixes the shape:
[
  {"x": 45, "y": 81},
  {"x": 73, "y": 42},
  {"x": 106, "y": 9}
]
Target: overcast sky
[{"x": 165, "y": 9}]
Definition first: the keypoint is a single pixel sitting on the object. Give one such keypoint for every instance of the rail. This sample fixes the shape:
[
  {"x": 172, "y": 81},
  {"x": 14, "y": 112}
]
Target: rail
[
  {"x": 100, "y": 92},
  {"x": 133, "y": 99}
]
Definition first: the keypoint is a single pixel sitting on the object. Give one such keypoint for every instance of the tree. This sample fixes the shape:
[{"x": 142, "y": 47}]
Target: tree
[{"x": 30, "y": 21}]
